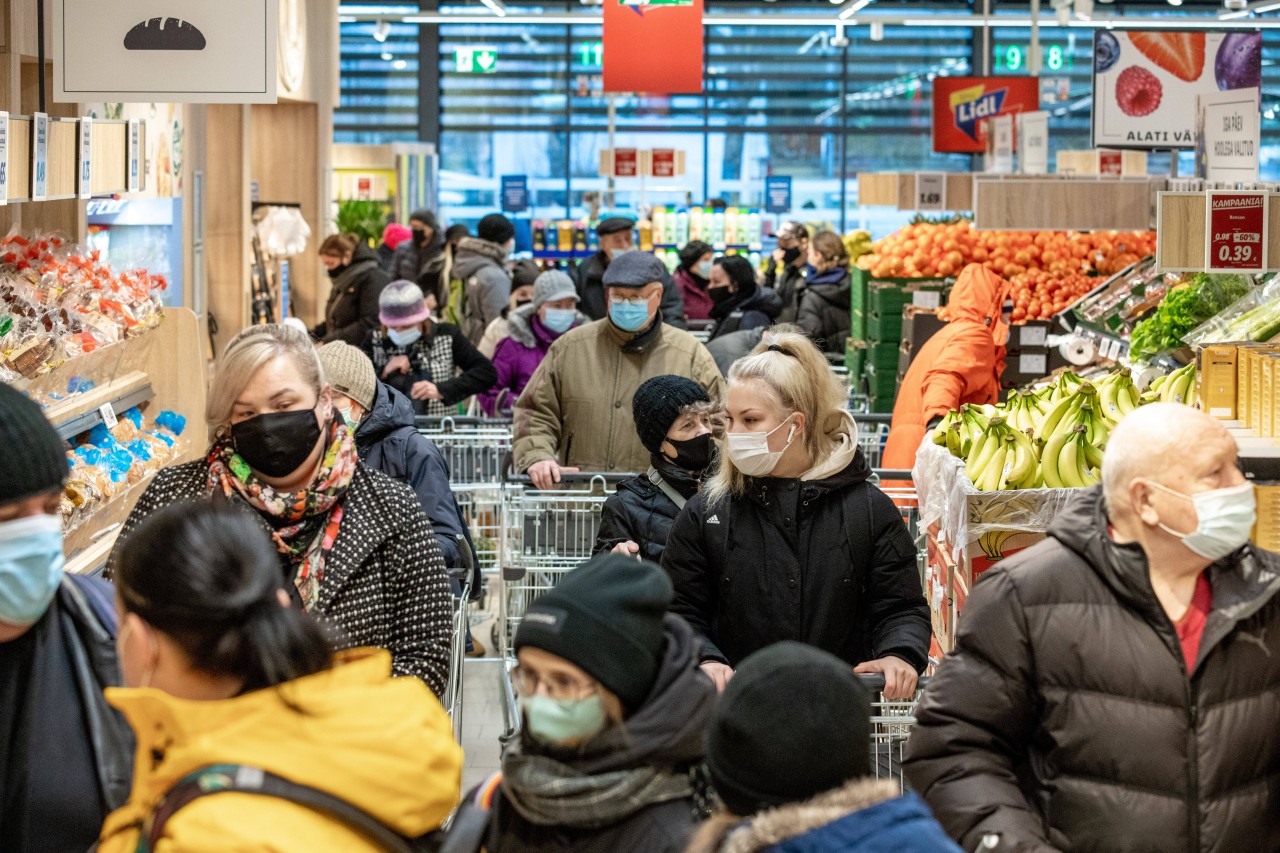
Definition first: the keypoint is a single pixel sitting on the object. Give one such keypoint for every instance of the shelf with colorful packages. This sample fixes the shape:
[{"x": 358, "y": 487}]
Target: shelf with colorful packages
[{"x": 118, "y": 376}]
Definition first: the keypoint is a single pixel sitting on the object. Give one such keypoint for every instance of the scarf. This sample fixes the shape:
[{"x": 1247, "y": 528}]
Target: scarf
[
  {"x": 304, "y": 525},
  {"x": 546, "y": 792},
  {"x": 685, "y": 482}
]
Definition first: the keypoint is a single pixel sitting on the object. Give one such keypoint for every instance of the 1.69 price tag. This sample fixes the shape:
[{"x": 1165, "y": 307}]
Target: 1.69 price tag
[{"x": 1236, "y": 238}]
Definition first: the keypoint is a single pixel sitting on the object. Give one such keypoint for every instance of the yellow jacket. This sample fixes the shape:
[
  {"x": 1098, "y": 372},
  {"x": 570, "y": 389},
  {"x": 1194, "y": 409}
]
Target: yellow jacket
[{"x": 383, "y": 745}]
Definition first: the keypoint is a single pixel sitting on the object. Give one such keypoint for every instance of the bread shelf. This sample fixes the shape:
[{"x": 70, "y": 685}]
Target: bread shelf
[
  {"x": 83, "y": 412},
  {"x": 94, "y": 557},
  {"x": 109, "y": 157}
]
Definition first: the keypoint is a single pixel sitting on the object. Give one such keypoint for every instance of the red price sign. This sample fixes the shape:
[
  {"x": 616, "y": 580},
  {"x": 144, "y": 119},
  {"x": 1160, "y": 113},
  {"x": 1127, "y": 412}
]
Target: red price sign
[
  {"x": 664, "y": 163},
  {"x": 1110, "y": 163},
  {"x": 1237, "y": 232},
  {"x": 625, "y": 162}
]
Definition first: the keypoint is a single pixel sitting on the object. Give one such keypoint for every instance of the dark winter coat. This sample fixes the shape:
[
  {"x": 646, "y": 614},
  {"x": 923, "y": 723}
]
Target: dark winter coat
[
  {"x": 596, "y": 306},
  {"x": 518, "y": 355},
  {"x": 823, "y": 309},
  {"x": 863, "y": 816},
  {"x": 352, "y": 311},
  {"x": 667, "y": 732},
  {"x": 486, "y": 285},
  {"x": 825, "y": 562},
  {"x": 1066, "y": 720},
  {"x": 789, "y": 283},
  {"x": 754, "y": 309},
  {"x": 422, "y": 265},
  {"x": 388, "y": 441},
  {"x": 732, "y": 346},
  {"x": 641, "y": 512},
  {"x": 442, "y": 355},
  {"x": 693, "y": 291},
  {"x": 384, "y": 584}
]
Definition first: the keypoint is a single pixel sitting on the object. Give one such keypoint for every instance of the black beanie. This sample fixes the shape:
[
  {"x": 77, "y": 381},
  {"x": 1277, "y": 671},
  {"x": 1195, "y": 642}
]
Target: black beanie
[
  {"x": 606, "y": 618},
  {"x": 657, "y": 404},
  {"x": 426, "y": 217},
  {"x": 495, "y": 228},
  {"x": 692, "y": 251},
  {"x": 793, "y": 723},
  {"x": 41, "y": 466}
]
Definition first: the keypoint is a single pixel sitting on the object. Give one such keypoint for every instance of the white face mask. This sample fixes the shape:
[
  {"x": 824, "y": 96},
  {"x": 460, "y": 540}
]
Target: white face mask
[
  {"x": 750, "y": 453},
  {"x": 1225, "y": 519}
]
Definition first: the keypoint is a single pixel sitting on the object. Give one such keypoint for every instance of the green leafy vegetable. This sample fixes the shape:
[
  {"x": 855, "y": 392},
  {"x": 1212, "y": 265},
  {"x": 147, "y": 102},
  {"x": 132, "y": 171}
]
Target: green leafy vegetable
[{"x": 1186, "y": 307}]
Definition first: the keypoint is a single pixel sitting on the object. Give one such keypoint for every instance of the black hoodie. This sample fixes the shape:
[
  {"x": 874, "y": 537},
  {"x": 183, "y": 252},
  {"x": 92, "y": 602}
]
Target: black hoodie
[
  {"x": 828, "y": 562},
  {"x": 749, "y": 309},
  {"x": 666, "y": 732},
  {"x": 352, "y": 310}
]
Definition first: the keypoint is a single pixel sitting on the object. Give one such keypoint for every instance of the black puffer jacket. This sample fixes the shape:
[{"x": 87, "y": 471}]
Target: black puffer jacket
[
  {"x": 594, "y": 303},
  {"x": 1065, "y": 719},
  {"x": 754, "y": 310},
  {"x": 352, "y": 310},
  {"x": 384, "y": 583},
  {"x": 641, "y": 512},
  {"x": 827, "y": 562},
  {"x": 666, "y": 732},
  {"x": 823, "y": 309}
]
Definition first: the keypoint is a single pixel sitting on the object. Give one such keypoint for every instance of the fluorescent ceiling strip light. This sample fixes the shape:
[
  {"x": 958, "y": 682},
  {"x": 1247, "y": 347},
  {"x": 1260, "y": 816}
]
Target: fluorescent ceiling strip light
[
  {"x": 853, "y": 9},
  {"x": 496, "y": 7}
]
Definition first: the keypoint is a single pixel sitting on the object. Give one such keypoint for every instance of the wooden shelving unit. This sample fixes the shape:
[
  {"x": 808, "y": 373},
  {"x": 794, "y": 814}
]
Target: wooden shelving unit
[
  {"x": 1183, "y": 220},
  {"x": 109, "y": 147}
]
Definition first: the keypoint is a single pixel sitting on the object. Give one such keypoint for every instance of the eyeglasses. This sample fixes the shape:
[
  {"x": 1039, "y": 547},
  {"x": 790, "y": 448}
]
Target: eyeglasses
[
  {"x": 557, "y": 686},
  {"x": 641, "y": 299}
]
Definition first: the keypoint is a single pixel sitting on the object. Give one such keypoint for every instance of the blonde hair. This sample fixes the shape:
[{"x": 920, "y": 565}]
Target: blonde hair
[
  {"x": 246, "y": 354},
  {"x": 797, "y": 374}
]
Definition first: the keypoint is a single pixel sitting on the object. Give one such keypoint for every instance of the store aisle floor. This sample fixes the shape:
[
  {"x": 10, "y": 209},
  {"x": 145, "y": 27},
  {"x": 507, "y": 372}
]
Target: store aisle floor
[{"x": 482, "y": 723}]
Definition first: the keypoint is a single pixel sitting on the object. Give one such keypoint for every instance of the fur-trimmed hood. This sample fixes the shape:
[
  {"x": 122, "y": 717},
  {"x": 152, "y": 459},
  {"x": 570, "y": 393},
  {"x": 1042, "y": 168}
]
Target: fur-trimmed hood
[{"x": 869, "y": 812}]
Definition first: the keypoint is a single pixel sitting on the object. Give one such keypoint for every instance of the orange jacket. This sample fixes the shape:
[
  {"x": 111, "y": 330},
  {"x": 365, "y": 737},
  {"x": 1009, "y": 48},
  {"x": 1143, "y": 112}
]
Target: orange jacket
[{"x": 960, "y": 364}]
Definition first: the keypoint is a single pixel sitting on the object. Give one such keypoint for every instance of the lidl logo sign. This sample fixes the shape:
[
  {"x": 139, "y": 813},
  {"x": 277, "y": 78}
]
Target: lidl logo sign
[{"x": 970, "y": 106}]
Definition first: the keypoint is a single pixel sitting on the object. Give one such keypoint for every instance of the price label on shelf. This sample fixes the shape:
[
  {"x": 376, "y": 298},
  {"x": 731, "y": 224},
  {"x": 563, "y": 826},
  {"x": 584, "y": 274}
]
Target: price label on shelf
[
  {"x": 135, "y": 156},
  {"x": 108, "y": 415},
  {"x": 39, "y": 156},
  {"x": 1236, "y": 234},
  {"x": 1112, "y": 350},
  {"x": 927, "y": 299},
  {"x": 4, "y": 158},
  {"x": 931, "y": 191},
  {"x": 85, "y": 181},
  {"x": 1110, "y": 163},
  {"x": 1034, "y": 336},
  {"x": 1036, "y": 364}
]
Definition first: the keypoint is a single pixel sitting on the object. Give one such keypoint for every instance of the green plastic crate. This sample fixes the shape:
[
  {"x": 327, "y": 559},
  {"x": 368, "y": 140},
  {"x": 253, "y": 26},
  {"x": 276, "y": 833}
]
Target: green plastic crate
[
  {"x": 882, "y": 405},
  {"x": 884, "y": 329},
  {"x": 855, "y": 358},
  {"x": 881, "y": 382},
  {"x": 883, "y": 356},
  {"x": 885, "y": 296}
]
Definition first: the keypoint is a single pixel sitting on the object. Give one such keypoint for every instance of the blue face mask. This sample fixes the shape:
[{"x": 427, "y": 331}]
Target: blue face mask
[
  {"x": 408, "y": 337},
  {"x": 704, "y": 269},
  {"x": 563, "y": 721},
  {"x": 30, "y": 567},
  {"x": 559, "y": 320},
  {"x": 629, "y": 316}
]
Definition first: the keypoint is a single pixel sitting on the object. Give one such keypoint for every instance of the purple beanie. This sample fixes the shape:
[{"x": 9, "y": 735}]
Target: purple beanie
[{"x": 402, "y": 304}]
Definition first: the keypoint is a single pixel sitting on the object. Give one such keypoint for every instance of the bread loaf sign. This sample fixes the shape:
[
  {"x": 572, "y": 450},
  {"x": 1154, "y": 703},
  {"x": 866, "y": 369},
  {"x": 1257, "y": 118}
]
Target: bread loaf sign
[{"x": 171, "y": 51}]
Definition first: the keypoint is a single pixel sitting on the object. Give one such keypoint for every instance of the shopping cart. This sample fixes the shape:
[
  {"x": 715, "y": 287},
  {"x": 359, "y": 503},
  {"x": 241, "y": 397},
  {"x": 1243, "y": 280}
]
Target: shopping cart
[
  {"x": 461, "y": 575},
  {"x": 899, "y": 488},
  {"x": 545, "y": 535},
  {"x": 873, "y": 432},
  {"x": 891, "y": 724}
]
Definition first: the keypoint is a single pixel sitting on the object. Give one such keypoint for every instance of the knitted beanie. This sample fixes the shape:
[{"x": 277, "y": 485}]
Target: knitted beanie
[
  {"x": 606, "y": 618},
  {"x": 350, "y": 372},
  {"x": 634, "y": 269},
  {"x": 693, "y": 252},
  {"x": 657, "y": 404},
  {"x": 524, "y": 273},
  {"x": 495, "y": 228},
  {"x": 552, "y": 286},
  {"x": 426, "y": 217},
  {"x": 401, "y": 304},
  {"x": 36, "y": 457},
  {"x": 793, "y": 722}
]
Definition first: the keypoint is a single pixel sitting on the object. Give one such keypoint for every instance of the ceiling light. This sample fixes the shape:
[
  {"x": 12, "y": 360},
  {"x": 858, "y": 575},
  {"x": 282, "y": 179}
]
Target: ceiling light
[
  {"x": 386, "y": 57},
  {"x": 877, "y": 31},
  {"x": 497, "y": 7},
  {"x": 1175, "y": 2},
  {"x": 380, "y": 31},
  {"x": 399, "y": 65},
  {"x": 853, "y": 8}
]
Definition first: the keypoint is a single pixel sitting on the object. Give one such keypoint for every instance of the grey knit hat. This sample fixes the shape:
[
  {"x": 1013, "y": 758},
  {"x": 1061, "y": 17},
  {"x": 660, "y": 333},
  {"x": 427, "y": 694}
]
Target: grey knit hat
[
  {"x": 551, "y": 286},
  {"x": 401, "y": 304},
  {"x": 41, "y": 466},
  {"x": 350, "y": 372},
  {"x": 634, "y": 269}
]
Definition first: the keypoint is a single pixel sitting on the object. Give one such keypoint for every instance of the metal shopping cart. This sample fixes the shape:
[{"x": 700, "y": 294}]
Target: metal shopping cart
[
  {"x": 545, "y": 535},
  {"x": 873, "y": 432},
  {"x": 899, "y": 488},
  {"x": 891, "y": 724},
  {"x": 462, "y": 574}
]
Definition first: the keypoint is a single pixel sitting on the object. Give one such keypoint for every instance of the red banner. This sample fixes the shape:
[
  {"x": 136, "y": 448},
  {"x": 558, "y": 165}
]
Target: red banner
[
  {"x": 663, "y": 164},
  {"x": 653, "y": 46},
  {"x": 962, "y": 106}
]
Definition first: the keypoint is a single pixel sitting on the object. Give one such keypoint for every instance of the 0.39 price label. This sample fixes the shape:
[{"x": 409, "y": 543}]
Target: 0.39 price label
[{"x": 1236, "y": 239}]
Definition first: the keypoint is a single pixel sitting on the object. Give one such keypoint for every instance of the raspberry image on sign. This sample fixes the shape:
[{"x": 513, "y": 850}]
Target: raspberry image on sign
[{"x": 974, "y": 105}]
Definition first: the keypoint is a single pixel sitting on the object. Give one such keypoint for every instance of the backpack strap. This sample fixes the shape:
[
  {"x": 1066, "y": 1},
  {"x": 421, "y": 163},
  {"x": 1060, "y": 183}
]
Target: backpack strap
[
  {"x": 245, "y": 779},
  {"x": 656, "y": 478},
  {"x": 471, "y": 822},
  {"x": 97, "y": 594}
]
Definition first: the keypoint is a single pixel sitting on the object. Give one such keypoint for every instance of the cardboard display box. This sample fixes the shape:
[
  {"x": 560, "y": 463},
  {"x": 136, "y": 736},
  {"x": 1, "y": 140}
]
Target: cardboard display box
[{"x": 1217, "y": 374}]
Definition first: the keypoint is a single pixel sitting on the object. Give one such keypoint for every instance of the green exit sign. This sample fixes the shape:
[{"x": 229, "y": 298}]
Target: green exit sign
[{"x": 476, "y": 60}]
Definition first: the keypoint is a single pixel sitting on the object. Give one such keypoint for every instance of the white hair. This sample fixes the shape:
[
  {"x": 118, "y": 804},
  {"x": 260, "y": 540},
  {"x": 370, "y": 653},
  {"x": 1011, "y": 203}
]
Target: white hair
[{"x": 1146, "y": 444}]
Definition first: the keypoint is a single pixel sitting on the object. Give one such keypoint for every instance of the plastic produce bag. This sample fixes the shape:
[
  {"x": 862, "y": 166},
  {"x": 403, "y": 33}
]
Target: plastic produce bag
[
  {"x": 283, "y": 232},
  {"x": 1254, "y": 317}
]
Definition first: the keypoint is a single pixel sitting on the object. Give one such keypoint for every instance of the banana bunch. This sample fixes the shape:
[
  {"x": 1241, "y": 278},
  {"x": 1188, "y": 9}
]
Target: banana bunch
[
  {"x": 857, "y": 244},
  {"x": 958, "y": 430},
  {"x": 1177, "y": 387},
  {"x": 1117, "y": 396},
  {"x": 1070, "y": 460},
  {"x": 1002, "y": 457},
  {"x": 1025, "y": 410}
]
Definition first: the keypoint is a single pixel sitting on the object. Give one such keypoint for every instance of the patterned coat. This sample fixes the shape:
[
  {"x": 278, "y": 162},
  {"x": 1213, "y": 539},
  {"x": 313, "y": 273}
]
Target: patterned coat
[
  {"x": 444, "y": 356},
  {"x": 384, "y": 584}
]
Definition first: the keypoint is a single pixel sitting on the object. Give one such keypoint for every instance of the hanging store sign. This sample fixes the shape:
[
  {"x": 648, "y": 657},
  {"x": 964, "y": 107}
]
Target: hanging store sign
[
  {"x": 632, "y": 28},
  {"x": 626, "y": 162},
  {"x": 962, "y": 107},
  {"x": 141, "y": 51},
  {"x": 1033, "y": 143},
  {"x": 777, "y": 194},
  {"x": 1229, "y": 136},
  {"x": 662, "y": 163},
  {"x": 1145, "y": 81},
  {"x": 515, "y": 193},
  {"x": 1237, "y": 224},
  {"x": 476, "y": 60},
  {"x": 1110, "y": 163}
]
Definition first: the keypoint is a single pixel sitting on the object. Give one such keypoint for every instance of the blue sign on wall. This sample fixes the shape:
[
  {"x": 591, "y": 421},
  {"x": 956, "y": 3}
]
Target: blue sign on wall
[
  {"x": 515, "y": 193},
  {"x": 777, "y": 194}
]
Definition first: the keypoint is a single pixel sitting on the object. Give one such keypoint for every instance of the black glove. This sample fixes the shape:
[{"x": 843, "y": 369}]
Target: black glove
[{"x": 934, "y": 421}]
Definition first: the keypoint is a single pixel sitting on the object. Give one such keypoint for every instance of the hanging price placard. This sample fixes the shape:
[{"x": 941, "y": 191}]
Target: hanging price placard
[
  {"x": 39, "y": 156},
  {"x": 86, "y": 157},
  {"x": 4, "y": 158},
  {"x": 931, "y": 191},
  {"x": 135, "y": 156},
  {"x": 1237, "y": 227}
]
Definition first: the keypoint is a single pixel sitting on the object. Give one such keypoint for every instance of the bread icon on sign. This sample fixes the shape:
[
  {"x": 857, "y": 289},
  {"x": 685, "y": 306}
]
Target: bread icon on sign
[{"x": 164, "y": 34}]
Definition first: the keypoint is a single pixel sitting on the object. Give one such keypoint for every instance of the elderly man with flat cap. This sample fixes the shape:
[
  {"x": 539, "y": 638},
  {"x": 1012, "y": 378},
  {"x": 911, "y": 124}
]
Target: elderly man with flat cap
[
  {"x": 617, "y": 238},
  {"x": 575, "y": 413},
  {"x": 1116, "y": 687}
]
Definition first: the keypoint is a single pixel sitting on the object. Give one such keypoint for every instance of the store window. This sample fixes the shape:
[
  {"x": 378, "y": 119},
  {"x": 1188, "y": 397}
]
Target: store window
[{"x": 378, "y": 68}]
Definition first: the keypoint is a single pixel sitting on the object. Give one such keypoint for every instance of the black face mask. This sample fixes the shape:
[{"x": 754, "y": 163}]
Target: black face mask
[
  {"x": 520, "y": 303},
  {"x": 419, "y": 235},
  {"x": 338, "y": 270},
  {"x": 693, "y": 454},
  {"x": 789, "y": 256},
  {"x": 278, "y": 443},
  {"x": 720, "y": 295}
]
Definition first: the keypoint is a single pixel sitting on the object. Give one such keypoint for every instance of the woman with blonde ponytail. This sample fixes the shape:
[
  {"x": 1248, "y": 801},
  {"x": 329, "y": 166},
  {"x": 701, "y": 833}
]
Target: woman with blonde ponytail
[{"x": 789, "y": 540}]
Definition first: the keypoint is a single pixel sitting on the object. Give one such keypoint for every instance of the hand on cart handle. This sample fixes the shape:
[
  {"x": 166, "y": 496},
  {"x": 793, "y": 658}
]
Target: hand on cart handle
[
  {"x": 719, "y": 673},
  {"x": 899, "y": 676},
  {"x": 397, "y": 364},
  {"x": 627, "y": 549},
  {"x": 546, "y": 473}
]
